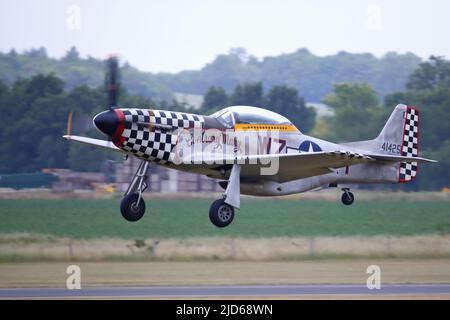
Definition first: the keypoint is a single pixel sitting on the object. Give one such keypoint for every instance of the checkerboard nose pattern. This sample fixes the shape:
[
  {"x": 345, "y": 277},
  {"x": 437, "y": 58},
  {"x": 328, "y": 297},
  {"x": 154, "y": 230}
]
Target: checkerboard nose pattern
[
  {"x": 410, "y": 144},
  {"x": 147, "y": 133}
]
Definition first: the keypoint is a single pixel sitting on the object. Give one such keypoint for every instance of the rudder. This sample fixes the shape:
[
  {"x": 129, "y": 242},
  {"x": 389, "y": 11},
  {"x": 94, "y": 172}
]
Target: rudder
[{"x": 410, "y": 145}]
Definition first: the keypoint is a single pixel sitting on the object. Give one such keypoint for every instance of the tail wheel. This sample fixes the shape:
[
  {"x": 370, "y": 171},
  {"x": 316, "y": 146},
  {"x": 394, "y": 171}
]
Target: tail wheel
[
  {"x": 131, "y": 209},
  {"x": 347, "y": 198},
  {"x": 221, "y": 214}
]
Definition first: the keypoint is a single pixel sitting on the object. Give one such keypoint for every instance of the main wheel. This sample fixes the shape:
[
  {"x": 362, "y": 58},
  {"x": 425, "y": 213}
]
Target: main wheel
[
  {"x": 221, "y": 214},
  {"x": 131, "y": 209},
  {"x": 347, "y": 198}
]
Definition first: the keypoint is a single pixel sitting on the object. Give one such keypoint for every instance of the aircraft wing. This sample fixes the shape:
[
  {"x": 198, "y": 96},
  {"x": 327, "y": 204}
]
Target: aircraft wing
[
  {"x": 294, "y": 166},
  {"x": 93, "y": 142}
]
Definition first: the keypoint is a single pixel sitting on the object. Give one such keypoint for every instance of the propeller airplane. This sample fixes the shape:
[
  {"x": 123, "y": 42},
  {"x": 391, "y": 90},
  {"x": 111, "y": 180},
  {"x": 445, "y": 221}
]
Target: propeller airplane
[{"x": 251, "y": 151}]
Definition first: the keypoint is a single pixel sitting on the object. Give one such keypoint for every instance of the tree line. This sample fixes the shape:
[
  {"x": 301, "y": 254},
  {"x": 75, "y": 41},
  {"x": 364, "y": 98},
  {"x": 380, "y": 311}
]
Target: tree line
[{"x": 310, "y": 74}]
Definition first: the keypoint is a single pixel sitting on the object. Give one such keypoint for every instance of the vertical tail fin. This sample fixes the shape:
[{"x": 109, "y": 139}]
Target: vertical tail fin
[
  {"x": 400, "y": 135},
  {"x": 394, "y": 128}
]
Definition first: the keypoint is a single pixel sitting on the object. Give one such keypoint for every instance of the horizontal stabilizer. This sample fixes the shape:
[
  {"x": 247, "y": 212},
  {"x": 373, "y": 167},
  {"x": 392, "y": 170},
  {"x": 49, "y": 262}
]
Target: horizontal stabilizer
[{"x": 393, "y": 158}]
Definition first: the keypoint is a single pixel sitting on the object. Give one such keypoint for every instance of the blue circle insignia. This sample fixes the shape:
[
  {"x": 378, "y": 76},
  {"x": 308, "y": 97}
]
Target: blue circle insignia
[{"x": 309, "y": 146}]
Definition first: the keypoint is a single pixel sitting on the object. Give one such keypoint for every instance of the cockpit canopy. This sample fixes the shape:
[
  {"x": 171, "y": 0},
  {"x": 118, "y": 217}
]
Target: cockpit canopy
[{"x": 248, "y": 115}]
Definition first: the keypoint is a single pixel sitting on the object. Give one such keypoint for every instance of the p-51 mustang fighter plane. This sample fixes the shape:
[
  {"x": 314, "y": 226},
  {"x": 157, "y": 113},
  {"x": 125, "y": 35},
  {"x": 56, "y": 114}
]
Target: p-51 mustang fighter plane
[{"x": 256, "y": 152}]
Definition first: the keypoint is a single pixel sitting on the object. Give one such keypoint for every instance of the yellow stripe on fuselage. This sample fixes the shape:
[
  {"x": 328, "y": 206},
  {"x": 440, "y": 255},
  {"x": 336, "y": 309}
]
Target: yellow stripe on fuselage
[{"x": 265, "y": 127}]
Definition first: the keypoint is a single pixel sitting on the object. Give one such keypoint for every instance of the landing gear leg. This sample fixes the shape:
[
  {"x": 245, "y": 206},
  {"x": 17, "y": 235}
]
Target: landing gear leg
[
  {"x": 132, "y": 206},
  {"x": 347, "y": 197},
  {"x": 221, "y": 212}
]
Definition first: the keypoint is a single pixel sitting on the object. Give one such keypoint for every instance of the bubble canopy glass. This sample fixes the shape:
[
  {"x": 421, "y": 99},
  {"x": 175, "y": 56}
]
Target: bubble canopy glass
[{"x": 248, "y": 115}]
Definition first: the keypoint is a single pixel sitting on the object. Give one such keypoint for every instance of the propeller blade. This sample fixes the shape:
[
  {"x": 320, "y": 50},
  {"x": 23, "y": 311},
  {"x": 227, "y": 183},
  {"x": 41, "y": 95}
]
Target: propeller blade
[
  {"x": 69, "y": 123},
  {"x": 79, "y": 123},
  {"x": 112, "y": 81}
]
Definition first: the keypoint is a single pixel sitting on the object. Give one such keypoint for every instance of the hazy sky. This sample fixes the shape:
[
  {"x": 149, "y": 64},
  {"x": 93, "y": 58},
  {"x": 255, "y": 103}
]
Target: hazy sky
[{"x": 172, "y": 35}]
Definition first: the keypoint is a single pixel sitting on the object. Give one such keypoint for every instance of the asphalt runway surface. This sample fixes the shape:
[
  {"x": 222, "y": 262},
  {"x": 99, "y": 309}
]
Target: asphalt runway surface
[{"x": 168, "y": 292}]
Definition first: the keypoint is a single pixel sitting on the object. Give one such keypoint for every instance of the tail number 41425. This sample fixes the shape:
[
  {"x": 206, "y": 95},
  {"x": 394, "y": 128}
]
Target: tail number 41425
[{"x": 391, "y": 147}]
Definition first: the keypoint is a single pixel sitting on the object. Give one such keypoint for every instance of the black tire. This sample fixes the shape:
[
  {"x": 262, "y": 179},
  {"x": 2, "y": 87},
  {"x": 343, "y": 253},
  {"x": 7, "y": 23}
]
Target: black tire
[
  {"x": 221, "y": 214},
  {"x": 347, "y": 198},
  {"x": 132, "y": 211}
]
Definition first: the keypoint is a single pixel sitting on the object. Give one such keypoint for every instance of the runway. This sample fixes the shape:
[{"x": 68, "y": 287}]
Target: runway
[{"x": 266, "y": 291}]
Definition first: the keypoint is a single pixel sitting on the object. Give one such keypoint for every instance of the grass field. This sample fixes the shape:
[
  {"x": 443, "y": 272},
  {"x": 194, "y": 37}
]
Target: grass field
[
  {"x": 86, "y": 219},
  {"x": 283, "y": 241}
]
